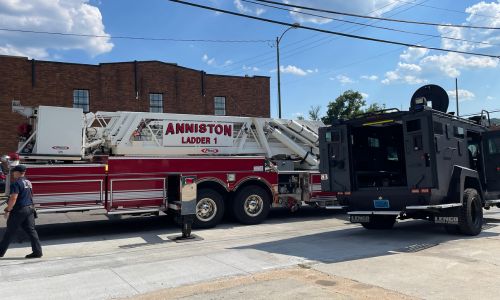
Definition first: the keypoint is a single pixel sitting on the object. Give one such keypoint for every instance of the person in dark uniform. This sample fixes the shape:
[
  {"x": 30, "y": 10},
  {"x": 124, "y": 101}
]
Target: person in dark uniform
[{"x": 20, "y": 213}]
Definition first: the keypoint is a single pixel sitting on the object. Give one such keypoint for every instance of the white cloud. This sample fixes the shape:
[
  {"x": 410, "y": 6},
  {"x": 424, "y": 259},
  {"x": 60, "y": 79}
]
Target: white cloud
[
  {"x": 246, "y": 9},
  {"x": 373, "y": 7},
  {"x": 75, "y": 16},
  {"x": 208, "y": 60},
  {"x": 293, "y": 70},
  {"x": 412, "y": 54},
  {"x": 417, "y": 63},
  {"x": 463, "y": 95},
  {"x": 404, "y": 73},
  {"x": 248, "y": 68},
  {"x": 490, "y": 98},
  {"x": 310, "y": 71},
  {"x": 476, "y": 16},
  {"x": 450, "y": 64},
  {"x": 369, "y": 77},
  {"x": 343, "y": 79},
  {"x": 365, "y": 95}
]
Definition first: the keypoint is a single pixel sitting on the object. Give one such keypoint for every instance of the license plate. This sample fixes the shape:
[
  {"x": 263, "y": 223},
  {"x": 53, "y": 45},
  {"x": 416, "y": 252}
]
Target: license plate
[
  {"x": 381, "y": 203},
  {"x": 359, "y": 219}
]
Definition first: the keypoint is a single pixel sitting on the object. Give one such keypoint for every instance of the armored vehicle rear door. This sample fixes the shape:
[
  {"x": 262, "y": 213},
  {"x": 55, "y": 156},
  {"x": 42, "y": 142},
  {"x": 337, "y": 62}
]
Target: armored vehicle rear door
[
  {"x": 335, "y": 150},
  {"x": 491, "y": 149},
  {"x": 419, "y": 151}
]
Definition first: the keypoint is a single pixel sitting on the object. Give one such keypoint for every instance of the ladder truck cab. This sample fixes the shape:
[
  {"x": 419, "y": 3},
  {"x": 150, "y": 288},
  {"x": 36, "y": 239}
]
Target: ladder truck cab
[
  {"x": 195, "y": 166},
  {"x": 423, "y": 163}
]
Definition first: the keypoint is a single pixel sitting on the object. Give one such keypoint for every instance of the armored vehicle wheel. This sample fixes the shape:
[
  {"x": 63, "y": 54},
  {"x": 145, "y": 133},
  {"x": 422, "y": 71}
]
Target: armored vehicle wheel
[
  {"x": 470, "y": 220},
  {"x": 380, "y": 222},
  {"x": 251, "y": 205},
  {"x": 209, "y": 209}
]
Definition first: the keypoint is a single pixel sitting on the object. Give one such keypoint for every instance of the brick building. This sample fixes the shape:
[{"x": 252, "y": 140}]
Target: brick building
[{"x": 129, "y": 86}]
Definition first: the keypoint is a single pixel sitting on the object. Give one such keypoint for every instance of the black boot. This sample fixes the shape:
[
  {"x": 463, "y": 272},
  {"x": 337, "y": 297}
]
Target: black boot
[{"x": 33, "y": 255}]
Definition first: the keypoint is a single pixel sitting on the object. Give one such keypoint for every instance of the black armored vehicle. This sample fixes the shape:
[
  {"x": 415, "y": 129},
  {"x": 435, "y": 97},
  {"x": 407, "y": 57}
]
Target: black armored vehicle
[{"x": 423, "y": 163}]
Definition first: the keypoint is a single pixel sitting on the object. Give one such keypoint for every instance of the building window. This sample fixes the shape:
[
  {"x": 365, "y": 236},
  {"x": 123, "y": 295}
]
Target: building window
[
  {"x": 220, "y": 106},
  {"x": 156, "y": 102},
  {"x": 81, "y": 99}
]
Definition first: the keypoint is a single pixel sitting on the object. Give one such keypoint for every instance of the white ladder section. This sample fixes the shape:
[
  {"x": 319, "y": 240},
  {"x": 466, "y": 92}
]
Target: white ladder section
[{"x": 158, "y": 134}]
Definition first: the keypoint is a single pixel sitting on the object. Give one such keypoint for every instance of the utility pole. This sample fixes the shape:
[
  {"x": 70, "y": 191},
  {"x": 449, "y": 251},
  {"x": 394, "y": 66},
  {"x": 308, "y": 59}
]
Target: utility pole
[
  {"x": 456, "y": 95},
  {"x": 278, "y": 40}
]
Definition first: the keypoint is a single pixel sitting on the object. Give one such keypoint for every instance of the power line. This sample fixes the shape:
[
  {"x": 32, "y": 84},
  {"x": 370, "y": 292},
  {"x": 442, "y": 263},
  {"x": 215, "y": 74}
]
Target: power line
[
  {"x": 376, "y": 18},
  {"x": 332, "y": 32},
  {"x": 373, "y": 26},
  {"x": 326, "y": 39},
  {"x": 267, "y": 61},
  {"x": 134, "y": 37},
  {"x": 363, "y": 60},
  {"x": 446, "y": 9}
]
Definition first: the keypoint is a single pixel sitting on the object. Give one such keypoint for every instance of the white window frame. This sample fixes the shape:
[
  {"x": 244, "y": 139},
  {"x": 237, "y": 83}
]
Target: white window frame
[{"x": 220, "y": 106}]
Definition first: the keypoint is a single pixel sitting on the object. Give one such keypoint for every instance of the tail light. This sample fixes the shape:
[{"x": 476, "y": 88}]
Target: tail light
[{"x": 2, "y": 176}]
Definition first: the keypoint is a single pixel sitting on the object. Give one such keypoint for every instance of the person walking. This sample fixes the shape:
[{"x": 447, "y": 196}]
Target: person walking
[{"x": 20, "y": 212}]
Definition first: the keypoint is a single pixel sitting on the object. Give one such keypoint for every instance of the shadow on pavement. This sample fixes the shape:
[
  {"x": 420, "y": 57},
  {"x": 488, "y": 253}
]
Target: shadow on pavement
[
  {"x": 62, "y": 231},
  {"x": 358, "y": 243}
]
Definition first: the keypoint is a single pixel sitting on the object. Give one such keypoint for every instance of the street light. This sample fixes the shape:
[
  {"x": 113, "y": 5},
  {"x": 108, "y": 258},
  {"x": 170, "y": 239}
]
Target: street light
[{"x": 278, "y": 40}]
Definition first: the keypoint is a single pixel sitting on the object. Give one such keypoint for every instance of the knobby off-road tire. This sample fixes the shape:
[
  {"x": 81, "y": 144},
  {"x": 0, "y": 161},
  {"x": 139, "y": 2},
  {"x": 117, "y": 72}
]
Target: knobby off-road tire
[
  {"x": 209, "y": 209},
  {"x": 470, "y": 220},
  {"x": 380, "y": 222},
  {"x": 251, "y": 205}
]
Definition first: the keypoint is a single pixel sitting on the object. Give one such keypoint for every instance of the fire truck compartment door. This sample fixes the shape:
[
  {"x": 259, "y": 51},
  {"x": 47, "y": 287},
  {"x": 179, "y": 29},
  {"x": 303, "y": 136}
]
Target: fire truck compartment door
[{"x": 59, "y": 131}]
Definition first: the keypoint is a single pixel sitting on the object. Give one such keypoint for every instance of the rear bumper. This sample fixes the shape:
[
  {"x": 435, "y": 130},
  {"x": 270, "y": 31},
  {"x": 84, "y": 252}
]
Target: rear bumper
[{"x": 389, "y": 200}]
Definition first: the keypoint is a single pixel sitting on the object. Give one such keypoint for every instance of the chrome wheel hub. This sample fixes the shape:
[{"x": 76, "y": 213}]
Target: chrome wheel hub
[
  {"x": 206, "y": 209},
  {"x": 253, "y": 205}
]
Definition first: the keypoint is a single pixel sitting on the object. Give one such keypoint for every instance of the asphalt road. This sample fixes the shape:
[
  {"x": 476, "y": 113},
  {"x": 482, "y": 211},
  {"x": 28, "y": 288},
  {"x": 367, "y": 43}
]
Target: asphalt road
[{"x": 312, "y": 253}]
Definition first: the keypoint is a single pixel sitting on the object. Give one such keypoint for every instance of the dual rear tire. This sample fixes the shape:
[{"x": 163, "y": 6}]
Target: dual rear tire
[{"x": 250, "y": 205}]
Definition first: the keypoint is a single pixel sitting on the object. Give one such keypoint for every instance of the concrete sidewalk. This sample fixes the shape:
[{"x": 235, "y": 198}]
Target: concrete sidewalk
[{"x": 135, "y": 258}]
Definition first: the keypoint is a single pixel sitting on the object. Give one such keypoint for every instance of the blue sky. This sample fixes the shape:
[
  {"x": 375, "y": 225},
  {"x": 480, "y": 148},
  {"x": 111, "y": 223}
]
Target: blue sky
[{"x": 316, "y": 67}]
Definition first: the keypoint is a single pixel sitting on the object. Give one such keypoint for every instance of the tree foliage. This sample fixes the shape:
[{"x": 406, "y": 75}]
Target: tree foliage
[
  {"x": 347, "y": 106},
  {"x": 314, "y": 113}
]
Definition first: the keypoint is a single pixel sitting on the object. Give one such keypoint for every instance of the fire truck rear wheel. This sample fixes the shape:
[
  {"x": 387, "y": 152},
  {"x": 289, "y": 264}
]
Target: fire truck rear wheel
[
  {"x": 470, "y": 220},
  {"x": 251, "y": 205},
  {"x": 209, "y": 208}
]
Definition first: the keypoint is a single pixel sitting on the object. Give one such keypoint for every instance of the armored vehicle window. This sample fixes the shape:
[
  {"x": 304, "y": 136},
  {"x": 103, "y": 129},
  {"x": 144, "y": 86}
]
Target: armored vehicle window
[
  {"x": 373, "y": 142},
  {"x": 458, "y": 132},
  {"x": 328, "y": 136},
  {"x": 392, "y": 154},
  {"x": 494, "y": 146},
  {"x": 413, "y": 125},
  {"x": 438, "y": 128}
]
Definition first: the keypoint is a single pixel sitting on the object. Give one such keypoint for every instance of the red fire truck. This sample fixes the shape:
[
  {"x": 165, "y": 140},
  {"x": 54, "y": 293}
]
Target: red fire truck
[{"x": 196, "y": 167}]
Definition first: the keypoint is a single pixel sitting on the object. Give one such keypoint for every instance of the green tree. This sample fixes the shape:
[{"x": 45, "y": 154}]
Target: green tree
[
  {"x": 347, "y": 106},
  {"x": 314, "y": 113},
  {"x": 374, "y": 107}
]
